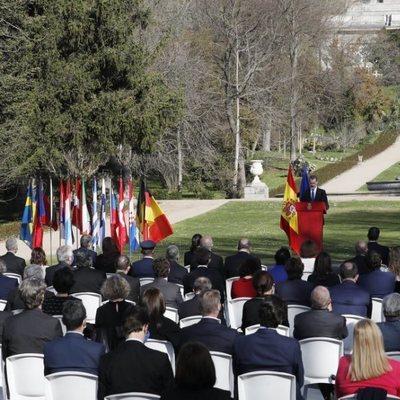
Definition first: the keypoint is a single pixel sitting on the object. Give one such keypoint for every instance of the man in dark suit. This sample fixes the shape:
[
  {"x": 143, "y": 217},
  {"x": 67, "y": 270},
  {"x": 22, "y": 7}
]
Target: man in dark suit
[
  {"x": 216, "y": 261},
  {"x": 373, "y": 236},
  {"x": 6, "y": 284},
  {"x": 202, "y": 258},
  {"x": 73, "y": 352},
  {"x": 391, "y": 327},
  {"x": 348, "y": 297},
  {"x": 86, "y": 246},
  {"x": 268, "y": 350},
  {"x": 123, "y": 266},
  {"x": 378, "y": 283},
  {"x": 144, "y": 267},
  {"x": 177, "y": 272},
  {"x": 315, "y": 193},
  {"x": 14, "y": 264},
  {"x": 192, "y": 307},
  {"x": 65, "y": 258},
  {"x": 133, "y": 367},
  {"x": 361, "y": 257},
  {"x": 171, "y": 291},
  {"x": 233, "y": 263},
  {"x": 209, "y": 331},
  {"x": 30, "y": 330},
  {"x": 320, "y": 321},
  {"x": 87, "y": 279}
]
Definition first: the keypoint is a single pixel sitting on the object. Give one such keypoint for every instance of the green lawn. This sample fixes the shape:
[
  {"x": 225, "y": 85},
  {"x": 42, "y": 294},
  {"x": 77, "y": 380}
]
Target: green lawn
[
  {"x": 388, "y": 175},
  {"x": 345, "y": 223}
]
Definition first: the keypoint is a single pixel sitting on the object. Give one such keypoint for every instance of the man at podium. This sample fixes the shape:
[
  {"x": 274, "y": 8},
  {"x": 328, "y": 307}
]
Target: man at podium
[{"x": 315, "y": 193}]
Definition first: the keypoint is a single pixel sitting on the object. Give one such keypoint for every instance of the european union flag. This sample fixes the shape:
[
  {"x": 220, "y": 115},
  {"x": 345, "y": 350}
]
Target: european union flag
[{"x": 305, "y": 184}]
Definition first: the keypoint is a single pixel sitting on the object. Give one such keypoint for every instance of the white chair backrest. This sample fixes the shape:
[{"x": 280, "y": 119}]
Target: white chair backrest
[
  {"x": 293, "y": 310},
  {"x": 188, "y": 296},
  {"x": 281, "y": 329},
  {"x": 3, "y": 304},
  {"x": 110, "y": 274},
  {"x": 14, "y": 276},
  {"x": 165, "y": 347},
  {"x": 394, "y": 355},
  {"x": 145, "y": 281},
  {"x": 187, "y": 267},
  {"x": 351, "y": 320},
  {"x": 132, "y": 396},
  {"x": 51, "y": 289},
  {"x": 91, "y": 301},
  {"x": 71, "y": 385},
  {"x": 377, "y": 311},
  {"x": 172, "y": 313},
  {"x": 260, "y": 385},
  {"x": 25, "y": 375},
  {"x": 320, "y": 359},
  {"x": 224, "y": 371},
  {"x": 63, "y": 327},
  {"x": 182, "y": 290},
  {"x": 264, "y": 267},
  {"x": 194, "y": 319},
  {"x": 251, "y": 329},
  {"x": 228, "y": 287},
  {"x": 235, "y": 311}
]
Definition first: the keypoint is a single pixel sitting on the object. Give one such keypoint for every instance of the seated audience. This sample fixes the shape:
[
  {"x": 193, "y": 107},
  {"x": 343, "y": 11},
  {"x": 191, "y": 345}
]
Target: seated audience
[
  {"x": 322, "y": 274},
  {"x": 106, "y": 261},
  {"x": 378, "y": 283},
  {"x": 209, "y": 331},
  {"x": 216, "y": 261},
  {"x": 394, "y": 265},
  {"x": 110, "y": 316},
  {"x": 308, "y": 253},
  {"x": 65, "y": 258},
  {"x": 278, "y": 271},
  {"x": 320, "y": 320},
  {"x": 368, "y": 365},
  {"x": 160, "y": 327},
  {"x": 348, "y": 297},
  {"x": 192, "y": 307},
  {"x": 6, "y": 284},
  {"x": 294, "y": 290},
  {"x": 189, "y": 255},
  {"x": 177, "y": 272},
  {"x": 144, "y": 268},
  {"x": 390, "y": 328},
  {"x": 14, "y": 263},
  {"x": 86, "y": 246},
  {"x": 123, "y": 266},
  {"x": 195, "y": 376},
  {"x": 243, "y": 287},
  {"x": 361, "y": 257},
  {"x": 373, "y": 245},
  {"x": 63, "y": 281},
  {"x": 30, "y": 330},
  {"x": 132, "y": 367},
  {"x": 264, "y": 287},
  {"x": 73, "y": 352},
  {"x": 38, "y": 257},
  {"x": 171, "y": 291},
  {"x": 268, "y": 350}
]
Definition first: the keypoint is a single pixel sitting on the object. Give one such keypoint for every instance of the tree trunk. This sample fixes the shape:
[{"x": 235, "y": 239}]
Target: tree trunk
[
  {"x": 266, "y": 140},
  {"x": 180, "y": 159}
]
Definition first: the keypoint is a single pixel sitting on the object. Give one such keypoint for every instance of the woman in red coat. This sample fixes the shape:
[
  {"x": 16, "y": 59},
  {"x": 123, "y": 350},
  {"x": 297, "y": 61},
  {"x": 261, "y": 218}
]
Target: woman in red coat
[
  {"x": 368, "y": 366},
  {"x": 243, "y": 287}
]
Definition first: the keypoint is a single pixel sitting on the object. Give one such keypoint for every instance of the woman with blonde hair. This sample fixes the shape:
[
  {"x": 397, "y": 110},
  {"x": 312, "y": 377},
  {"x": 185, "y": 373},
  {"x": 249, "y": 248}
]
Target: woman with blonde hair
[
  {"x": 368, "y": 366},
  {"x": 394, "y": 265}
]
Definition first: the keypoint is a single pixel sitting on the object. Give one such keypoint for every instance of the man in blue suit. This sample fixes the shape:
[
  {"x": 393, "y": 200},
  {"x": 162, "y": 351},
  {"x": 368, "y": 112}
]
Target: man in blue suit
[
  {"x": 6, "y": 284},
  {"x": 73, "y": 352},
  {"x": 268, "y": 350},
  {"x": 391, "y": 327},
  {"x": 348, "y": 297},
  {"x": 144, "y": 267},
  {"x": 209, "y": 331}
]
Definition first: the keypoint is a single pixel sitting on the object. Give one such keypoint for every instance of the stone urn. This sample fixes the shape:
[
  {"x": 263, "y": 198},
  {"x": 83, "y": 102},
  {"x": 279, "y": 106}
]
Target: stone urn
[{"x": 256, "y": 169}]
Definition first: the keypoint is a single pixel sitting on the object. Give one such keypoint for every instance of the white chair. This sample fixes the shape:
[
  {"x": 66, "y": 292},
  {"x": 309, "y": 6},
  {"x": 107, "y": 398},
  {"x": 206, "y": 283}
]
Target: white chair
[
  {"x": 14, "y": 276},
  {"x": 281, "y": 329},
  {"x": 320, "y": 360},
  {"x": 110, "y": 274},
  {"x": 235, "y": 311},
  {"x": 25, "y": 375},
  {"x": 187, "y": 267},
  {"x": 224, "y": 371},
  {"x": 3, "y": 304},
  {"x": 145, "y": 281},
  {"x": 261, "y": 385},
  {"x": 172, "y": 313},
  {"x": 264, "y": 267},
  {"x": 228, "y": 287},
  {"x": 165, "y": 347},
  {"x": 188, "y": 296},
  {"x": 351, "y": 320},
  {"x": 132, "y": 396},
  {"x": 71, "y": 385},
  {"x": 394, "y": 355},
  {"x": 194, "y": 319},
  {"x": 182, "y": 290},
  {"x": 63, "y": 327},
  {"x": 91, "y": 301},
  {"x": 377, "y": 312},
  {"x": 293, "y": 310},
  {"x": 51, "y": 289}
]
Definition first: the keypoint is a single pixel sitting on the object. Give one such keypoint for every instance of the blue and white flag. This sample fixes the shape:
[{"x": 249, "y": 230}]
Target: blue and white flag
[
  {"x": 95, "y": 220},
  {"x": 102, "y": 231}
]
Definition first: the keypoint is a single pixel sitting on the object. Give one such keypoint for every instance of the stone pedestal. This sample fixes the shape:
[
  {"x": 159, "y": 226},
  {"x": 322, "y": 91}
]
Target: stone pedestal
[{"x": 256, "y": 191}]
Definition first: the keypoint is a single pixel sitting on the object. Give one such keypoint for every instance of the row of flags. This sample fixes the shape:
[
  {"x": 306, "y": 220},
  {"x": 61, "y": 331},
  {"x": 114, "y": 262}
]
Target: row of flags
[
  {"x": 289, "y": 219},
  {"x": 40, "y": 210}
]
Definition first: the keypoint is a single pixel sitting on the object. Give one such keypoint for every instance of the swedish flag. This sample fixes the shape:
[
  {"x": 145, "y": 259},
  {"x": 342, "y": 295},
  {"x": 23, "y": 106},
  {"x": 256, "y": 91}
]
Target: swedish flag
[{"x": 28, "y": 218}]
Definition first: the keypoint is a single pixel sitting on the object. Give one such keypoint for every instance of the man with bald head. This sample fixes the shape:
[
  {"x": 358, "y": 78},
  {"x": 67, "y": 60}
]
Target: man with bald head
[
  {"x": 361, "y": 257},
  {"x": 320, "y": 321}
]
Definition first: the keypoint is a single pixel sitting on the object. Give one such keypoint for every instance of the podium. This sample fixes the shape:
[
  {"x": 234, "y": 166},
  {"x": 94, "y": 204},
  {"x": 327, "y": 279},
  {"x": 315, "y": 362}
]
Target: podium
[{"x": 311, "y": 221}]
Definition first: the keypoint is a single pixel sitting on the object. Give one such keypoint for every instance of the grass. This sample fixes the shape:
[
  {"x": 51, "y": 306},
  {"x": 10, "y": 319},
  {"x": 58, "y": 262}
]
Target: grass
[
  {"x": 389, "y": 174},
  {"x": 345, "y": 223}
]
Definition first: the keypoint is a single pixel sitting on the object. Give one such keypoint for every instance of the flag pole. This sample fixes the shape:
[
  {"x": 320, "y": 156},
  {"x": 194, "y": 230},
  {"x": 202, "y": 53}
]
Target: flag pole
[{"x": 51, "y": 219}]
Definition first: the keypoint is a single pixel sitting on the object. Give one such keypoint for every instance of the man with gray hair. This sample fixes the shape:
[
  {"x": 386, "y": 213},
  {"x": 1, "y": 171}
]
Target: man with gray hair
[
  {"x": 14, "y": 263},
  {"x": 86, "y": 246},
  {"x": 361, "y": 257},
  {"x": 320, "y": 321},
  {"x": 391, "y": 327},
  {"x": 28, "y": 331},
  {"x": 216, "y": 261},
  {"x": 123, "y": 266},
  {"x": 209, "y": 331},
  {"x": 65, "y": 258},
  {"x": 177, "y": 272}
]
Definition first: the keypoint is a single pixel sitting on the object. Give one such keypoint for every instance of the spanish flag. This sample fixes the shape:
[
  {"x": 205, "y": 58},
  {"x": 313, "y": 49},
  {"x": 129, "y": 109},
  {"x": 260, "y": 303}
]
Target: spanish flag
[
  {"x": 154, "y": 224},
  {"x": 289, "y": 217}
]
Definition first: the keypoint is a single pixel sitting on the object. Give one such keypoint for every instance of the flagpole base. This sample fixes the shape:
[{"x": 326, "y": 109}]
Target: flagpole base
[{"x": 256, "y": 191}]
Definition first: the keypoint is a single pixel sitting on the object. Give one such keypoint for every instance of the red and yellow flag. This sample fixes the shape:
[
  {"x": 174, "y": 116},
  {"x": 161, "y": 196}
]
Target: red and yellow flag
[{"x": 289, "y": 217}]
